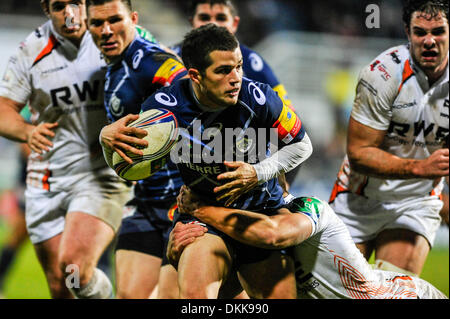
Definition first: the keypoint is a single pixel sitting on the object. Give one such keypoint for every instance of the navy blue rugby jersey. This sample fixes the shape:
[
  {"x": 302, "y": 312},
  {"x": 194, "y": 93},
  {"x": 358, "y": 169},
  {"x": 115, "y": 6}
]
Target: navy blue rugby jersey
[
  {"x": 259, "y": 114},
  {"x": 257, "y": 69},
  {"x": 145, "y": 67}
]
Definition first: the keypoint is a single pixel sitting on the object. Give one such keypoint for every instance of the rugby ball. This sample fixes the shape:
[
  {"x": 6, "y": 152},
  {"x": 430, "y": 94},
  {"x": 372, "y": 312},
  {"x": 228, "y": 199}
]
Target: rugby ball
[{"x": 162, "y": 128}]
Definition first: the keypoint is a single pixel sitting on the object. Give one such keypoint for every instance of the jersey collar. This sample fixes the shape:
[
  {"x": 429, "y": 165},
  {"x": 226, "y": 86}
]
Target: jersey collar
[{"x": 66, "y": 44}]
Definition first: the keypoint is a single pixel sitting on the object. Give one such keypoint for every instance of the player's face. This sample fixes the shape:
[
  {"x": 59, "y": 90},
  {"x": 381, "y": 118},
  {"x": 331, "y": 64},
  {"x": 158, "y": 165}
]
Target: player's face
[
  {"x": 218, "y": 14},
  {"x": 221, "y": 83},
  {"x": 68, "y": 18},
  {"x": 429, "y": 41},
  {"x": 112, "y": 26}
]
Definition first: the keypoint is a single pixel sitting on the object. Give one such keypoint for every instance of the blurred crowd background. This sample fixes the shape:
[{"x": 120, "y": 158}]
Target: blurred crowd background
[{"x": 316, "y": 49}]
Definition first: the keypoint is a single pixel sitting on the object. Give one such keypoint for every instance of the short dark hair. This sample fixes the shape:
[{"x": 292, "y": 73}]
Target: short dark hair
[
  {"x": 432, "y": 7},
  {"x": 200, "y": 42},
  {"x": 127, "y": 3},
  {"x": 192, "y": 8}
]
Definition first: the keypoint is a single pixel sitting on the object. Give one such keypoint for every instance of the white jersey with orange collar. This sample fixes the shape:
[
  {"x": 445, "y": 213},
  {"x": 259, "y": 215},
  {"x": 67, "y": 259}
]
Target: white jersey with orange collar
[
  {"x": 393, "y": 95},
  {"x": 64, "y": 84},
  {"x": 329, "y": 265}
]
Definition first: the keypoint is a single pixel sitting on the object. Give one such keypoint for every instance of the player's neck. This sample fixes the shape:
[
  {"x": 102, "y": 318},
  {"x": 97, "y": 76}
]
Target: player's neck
[{"x": 436, "y": 74}]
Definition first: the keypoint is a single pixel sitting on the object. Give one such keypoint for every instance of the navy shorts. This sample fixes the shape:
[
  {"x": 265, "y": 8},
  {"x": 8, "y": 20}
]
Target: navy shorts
[{"x": 147, "y": 229}]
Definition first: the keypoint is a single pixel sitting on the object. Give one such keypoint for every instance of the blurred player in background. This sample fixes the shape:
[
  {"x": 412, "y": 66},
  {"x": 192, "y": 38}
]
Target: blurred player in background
[
  {"x": 328, "y": 265},
  {"x": 217, "y": 96},
  {"x": 224, "y": 14},
  {"x": 74, "y": 201},
  {"x": 388, "y": 189},
  {"x": 136, "y": 69},
  {"x": 13, "y": 203}
]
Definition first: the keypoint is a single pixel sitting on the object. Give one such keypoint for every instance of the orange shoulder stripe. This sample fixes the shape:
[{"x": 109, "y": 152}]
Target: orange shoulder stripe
[
  {"x": 51, "y": 44},
  {"x": 407, "y": 73}
]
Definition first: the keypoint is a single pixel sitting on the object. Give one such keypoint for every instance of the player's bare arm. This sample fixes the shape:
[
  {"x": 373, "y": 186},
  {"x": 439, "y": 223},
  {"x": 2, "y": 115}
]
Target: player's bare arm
[
  {"x": 16, "y": 128},
  {"x": 269, "y": 232},
  {"x": 121, "y": 138},
  {"x": 367, "y": 157}
]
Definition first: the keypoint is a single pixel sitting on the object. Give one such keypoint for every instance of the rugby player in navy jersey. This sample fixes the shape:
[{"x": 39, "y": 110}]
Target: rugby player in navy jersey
[
  {"x": 224, "y": 13},
  {"x": 136, "y": 68},
  {"x": 214, "y": 100}
]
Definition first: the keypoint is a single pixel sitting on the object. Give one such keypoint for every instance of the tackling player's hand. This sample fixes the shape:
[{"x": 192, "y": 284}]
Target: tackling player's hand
[
  {"x": 187, "y": 202},
  {"x": 38, "y": 137},
  {"x": 243, "y": 179},
  {"x": 181, "y": 236},
  {"x": 121, "y": 138}
]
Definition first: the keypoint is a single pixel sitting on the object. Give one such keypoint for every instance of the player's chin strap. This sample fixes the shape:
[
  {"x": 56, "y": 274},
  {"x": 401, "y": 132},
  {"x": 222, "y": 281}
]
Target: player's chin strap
[{"x": 384, "y": 265}]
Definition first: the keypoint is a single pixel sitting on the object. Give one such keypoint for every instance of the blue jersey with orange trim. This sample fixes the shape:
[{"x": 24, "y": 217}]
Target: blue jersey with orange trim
[
  {"x": 145, "y": 67},
  {"x": 258, "y": 115}
]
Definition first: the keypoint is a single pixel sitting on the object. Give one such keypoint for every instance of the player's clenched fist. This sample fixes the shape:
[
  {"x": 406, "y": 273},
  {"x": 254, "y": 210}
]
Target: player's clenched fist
[
  {"x": 38, "y": 139},
  {"x": 436, "y": 165}
]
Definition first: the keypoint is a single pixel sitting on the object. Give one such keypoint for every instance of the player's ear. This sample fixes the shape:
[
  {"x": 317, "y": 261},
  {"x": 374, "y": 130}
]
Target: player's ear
[
  {"x": 135, "y": 17},
  {"x": 407, "y": 29},
  {"x": 236, "y": 21},
  {"x": 195, "y": 75}
]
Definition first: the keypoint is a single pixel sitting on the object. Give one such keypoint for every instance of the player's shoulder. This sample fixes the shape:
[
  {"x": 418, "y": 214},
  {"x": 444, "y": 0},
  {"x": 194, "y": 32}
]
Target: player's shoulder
[
  {"x": 176, "y": 48},
  {"x": 252, "y": 59},
  {"x": 141, "y": 52},
  {"x": 254, "y": 93},
  {"x": 39, "y": 40},
  {"x": 387, "y": 68},
  {"x": 174, "y": 95},
  {"x": 147, "y": 56}
]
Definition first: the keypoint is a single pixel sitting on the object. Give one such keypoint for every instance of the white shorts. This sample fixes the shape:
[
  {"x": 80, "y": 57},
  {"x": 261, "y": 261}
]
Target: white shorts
[
  {"x": 97, "y": 194},
  {"x": 366, "y": 218}
]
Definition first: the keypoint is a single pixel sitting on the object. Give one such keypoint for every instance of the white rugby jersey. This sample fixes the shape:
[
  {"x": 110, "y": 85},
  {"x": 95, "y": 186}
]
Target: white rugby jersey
[
  {"x": 62, "y": 84},
  {"x": 393, "y": 94},
  {"x": 329, "y": 265}
]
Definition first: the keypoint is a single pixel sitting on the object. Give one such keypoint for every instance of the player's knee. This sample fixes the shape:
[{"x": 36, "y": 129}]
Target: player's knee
[{"x": 193, "y": 290}]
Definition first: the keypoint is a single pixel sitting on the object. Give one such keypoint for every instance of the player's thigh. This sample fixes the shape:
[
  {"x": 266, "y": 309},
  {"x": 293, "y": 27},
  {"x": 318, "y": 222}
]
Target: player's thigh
[
  {"x": 202, "y": 267},
  {"x": 168, "y": 283},
  {"x": 273, "y": 277},
  {"x": 84, "y": 239},
  {"x": 136, "y": 274},
  {"x": 403, "y": 248}
]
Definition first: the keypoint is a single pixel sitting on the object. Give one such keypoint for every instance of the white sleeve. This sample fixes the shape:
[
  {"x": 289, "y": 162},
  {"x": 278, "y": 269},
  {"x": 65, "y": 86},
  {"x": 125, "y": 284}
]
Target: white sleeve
[
  {"x": 16, "y": 81},
  {"x": 374, "y": 97},
  {"x": 284, "y": 160}
]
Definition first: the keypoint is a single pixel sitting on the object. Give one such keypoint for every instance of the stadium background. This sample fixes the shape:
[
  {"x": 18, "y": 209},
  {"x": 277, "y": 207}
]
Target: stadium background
[{"x": 316, "y": 49}]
